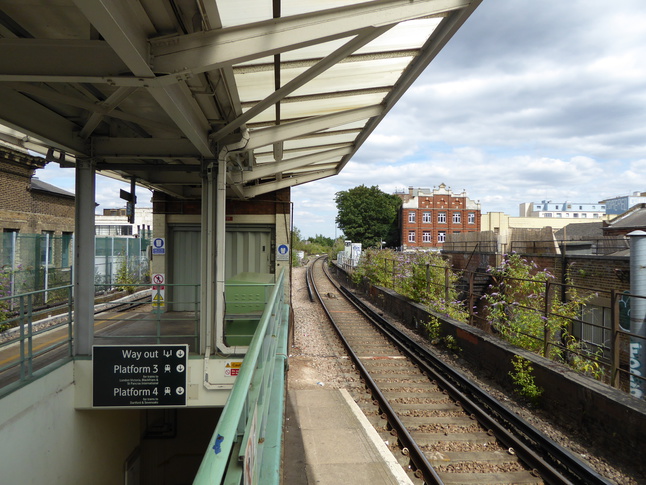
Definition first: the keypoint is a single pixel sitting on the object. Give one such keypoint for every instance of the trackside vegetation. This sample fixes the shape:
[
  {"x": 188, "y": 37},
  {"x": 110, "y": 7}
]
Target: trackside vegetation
[{"x": 522, "y": 306}]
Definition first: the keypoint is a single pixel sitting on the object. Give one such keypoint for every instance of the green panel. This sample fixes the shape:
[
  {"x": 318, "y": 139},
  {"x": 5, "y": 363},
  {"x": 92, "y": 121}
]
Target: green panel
[{"x": 239, "y": 332}]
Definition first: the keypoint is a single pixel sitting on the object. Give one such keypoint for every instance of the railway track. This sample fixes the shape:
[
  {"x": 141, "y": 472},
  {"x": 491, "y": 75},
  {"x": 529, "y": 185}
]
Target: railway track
[{"x": 449, "y": 430}]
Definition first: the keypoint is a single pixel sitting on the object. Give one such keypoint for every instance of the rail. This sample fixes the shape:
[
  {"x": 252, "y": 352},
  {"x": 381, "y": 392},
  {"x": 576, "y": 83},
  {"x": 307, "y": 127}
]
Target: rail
[{"x": 247, "y": 441}]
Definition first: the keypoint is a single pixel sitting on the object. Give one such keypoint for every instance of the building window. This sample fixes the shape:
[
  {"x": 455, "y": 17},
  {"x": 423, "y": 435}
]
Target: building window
[
  {"x": 576, "y": 214},
  {"x": 441, "y": 217},
  {"x": 411, "y": 216},
  {"x": 9, "y": 243},
  {"x": 441, "y": 236},
  {"x": 426, "y": 236},
  {"x": 471, "y": 218},
  {"x": 595, "y": 327},
  {"x": 47, "y": 248},
  {"x": 67, "y": 249},
  {"x": 596, "y": 216},
  {"x": 558, "y": 214},
  {"x": 457, "y": 218},
  {"x": 125, "y": 230},
  {"x": 547, "y": 214},
  {"x": 584, "y": 215},
  {"x": 411, "y": 236},
  {"x": 426, "y": 217}
]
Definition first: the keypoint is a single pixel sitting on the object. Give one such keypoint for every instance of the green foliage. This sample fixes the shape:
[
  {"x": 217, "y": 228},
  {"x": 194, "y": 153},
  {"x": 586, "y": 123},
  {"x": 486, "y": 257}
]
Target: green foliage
[
  {"x": 418, "y": 276},
  {"x": 126, "y": 279},
  {"x": 524, "y": 380},
  {"x": 519, "y": 311},
  {"x": 368, "y": 216},
  {"x": 5, "y": 291}
]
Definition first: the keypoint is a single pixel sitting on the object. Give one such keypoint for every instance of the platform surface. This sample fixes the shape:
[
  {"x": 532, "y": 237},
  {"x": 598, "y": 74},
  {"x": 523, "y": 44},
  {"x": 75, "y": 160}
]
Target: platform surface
[{"x": 329, "y": 441}]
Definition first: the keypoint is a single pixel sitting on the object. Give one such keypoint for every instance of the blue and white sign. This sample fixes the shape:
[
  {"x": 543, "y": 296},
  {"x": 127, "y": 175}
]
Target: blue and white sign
[
  {"x": 159, "y": 245},
  {"x": 282, "y": 253}
]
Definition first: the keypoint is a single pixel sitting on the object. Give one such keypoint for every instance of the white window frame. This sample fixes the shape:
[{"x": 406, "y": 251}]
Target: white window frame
[
  {"x": 411, "y": 236},
  {"x": 426, "y": 217},
  {"x": 411, "y": 216},
  {"x": 457, "y": 218},
  {"x": 441, "y": 217},
  {"x": 441, "y": 237}
]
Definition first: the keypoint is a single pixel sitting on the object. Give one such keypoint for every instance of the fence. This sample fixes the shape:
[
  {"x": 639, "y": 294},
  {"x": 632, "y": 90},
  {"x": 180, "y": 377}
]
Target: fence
[
  {"x": 34, "y": 262},
  {"x": 595, "y": 340}
]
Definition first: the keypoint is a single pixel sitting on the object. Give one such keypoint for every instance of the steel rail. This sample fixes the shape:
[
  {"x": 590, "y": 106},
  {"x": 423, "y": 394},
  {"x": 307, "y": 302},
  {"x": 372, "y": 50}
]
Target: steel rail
[
  {"x": 561, "y": 461},
  {"x": 422, "y": 467}
]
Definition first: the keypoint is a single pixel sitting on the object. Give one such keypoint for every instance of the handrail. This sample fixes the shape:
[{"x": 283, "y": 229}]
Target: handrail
[{"x": 248, "y": 436}]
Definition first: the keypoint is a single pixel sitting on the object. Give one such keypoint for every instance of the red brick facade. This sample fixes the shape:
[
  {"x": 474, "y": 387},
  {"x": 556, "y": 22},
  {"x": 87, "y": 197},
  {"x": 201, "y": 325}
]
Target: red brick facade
[{"x": 427, "y": 217}]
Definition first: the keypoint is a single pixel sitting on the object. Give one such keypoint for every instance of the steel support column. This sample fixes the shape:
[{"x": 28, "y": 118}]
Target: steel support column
[{"x": 84, "y": 257}]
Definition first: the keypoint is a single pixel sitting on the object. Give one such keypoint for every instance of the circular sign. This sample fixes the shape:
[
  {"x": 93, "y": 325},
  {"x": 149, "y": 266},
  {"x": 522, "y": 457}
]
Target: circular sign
[
  {"x": 158, "y": 278},
  {"x": 283, "y": 249}
]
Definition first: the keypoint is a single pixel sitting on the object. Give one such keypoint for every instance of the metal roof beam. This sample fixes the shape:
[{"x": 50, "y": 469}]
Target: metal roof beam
[
  {"x": 58, "y": 57},
  {"x": 256, "y": 190},
  {"x": 269, "y": 169},
  {"x": 267, "y": 136},
  {"x": 27, "y": 116},
  {"x": 203, "y": 51},
  {"x": 129, "y": 39},
  {"x": 134, "y": 148},
  {"x": 320, "y": 67}
]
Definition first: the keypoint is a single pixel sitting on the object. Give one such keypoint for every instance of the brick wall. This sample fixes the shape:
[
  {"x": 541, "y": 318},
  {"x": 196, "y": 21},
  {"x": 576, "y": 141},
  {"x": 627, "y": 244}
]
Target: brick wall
[{"x": 30, "y": 212}]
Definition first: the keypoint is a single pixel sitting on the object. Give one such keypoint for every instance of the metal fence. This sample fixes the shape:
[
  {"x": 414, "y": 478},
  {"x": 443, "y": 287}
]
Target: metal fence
[
  {"x": 596, "y": 340},
  {"x": 35, "y": 262}
]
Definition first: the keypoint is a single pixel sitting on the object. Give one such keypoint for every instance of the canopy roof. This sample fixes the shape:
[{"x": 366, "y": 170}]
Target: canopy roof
[{"x": 158, "y": 89}]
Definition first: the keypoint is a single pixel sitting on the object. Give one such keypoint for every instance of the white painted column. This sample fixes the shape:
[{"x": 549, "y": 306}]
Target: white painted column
[
  {"x": 207, "y": 300},
  {"x": 84, "y": 258},
  {"x": 638, "y": 312}
]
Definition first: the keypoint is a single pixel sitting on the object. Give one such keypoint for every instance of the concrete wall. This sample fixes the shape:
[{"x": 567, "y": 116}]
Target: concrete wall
[
  {"x": 43, "y": 439},
  {"x": 604, "y": 416}
]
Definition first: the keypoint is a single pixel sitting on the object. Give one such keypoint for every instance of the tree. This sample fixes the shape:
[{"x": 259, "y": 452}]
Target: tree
[{"x": 368, "y": 215}]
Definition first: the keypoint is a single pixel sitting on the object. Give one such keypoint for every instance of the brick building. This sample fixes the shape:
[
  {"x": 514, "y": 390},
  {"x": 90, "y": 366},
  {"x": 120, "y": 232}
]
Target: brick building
[
  {"x": 28, "y": 205},
  {"x": 427, "y": 216}
]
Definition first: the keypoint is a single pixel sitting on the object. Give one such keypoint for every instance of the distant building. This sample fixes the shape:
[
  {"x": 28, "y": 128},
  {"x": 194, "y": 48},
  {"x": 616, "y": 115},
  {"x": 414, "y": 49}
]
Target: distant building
[
  {"x": 564, "y": 210},
  {"x": 634, "y": 219},
  {"x": 114, "y": 222},
  {"x": 619, "y": 205},
  {"x": 427, "y": 216}
]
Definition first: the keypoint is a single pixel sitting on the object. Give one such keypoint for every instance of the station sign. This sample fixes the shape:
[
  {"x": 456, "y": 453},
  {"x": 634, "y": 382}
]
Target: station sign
[
  {"x": 282, "y": 253},
  {"x": 139, "y": 375},
  {"x": 159, "y": 246}
]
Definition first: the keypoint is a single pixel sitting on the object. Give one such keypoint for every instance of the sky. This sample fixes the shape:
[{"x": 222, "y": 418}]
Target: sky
[{"x": 529, "y": 101}]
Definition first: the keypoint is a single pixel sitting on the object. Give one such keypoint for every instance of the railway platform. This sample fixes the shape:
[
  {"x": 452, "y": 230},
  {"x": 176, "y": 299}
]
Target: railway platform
[{"x": 328, "y": 440}]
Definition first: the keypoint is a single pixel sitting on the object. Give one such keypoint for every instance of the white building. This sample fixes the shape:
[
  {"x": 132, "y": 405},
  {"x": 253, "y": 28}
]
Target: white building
[
  {"x": 564, "y": 210},
  {"x": 114, "y": 222}
]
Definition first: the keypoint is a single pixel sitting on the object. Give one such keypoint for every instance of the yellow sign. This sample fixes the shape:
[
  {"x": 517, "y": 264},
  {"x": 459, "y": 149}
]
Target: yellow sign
[{"x": 232, "y": 369}]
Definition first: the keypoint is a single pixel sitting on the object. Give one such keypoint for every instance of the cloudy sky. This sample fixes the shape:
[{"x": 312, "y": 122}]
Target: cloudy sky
[{"x": 530, "y": 101}]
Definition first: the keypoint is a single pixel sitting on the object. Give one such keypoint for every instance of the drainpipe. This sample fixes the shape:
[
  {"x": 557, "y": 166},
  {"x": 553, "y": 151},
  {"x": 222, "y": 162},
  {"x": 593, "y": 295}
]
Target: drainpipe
[
  {"x": 638, "y": 312},
  {"x": 216, "y": 244}
]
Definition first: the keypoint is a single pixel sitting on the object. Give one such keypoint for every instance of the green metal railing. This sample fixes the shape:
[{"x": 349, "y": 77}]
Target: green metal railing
[
  {"x": 24, "y": 325},
  {"x": 173, "y": 315},
  {"x": 248, "y": 438}
]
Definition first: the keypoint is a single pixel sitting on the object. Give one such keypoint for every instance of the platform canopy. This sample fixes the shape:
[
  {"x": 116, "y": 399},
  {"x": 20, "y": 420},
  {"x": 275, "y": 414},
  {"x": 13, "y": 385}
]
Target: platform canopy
[{"x": 157, "y": 89}]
